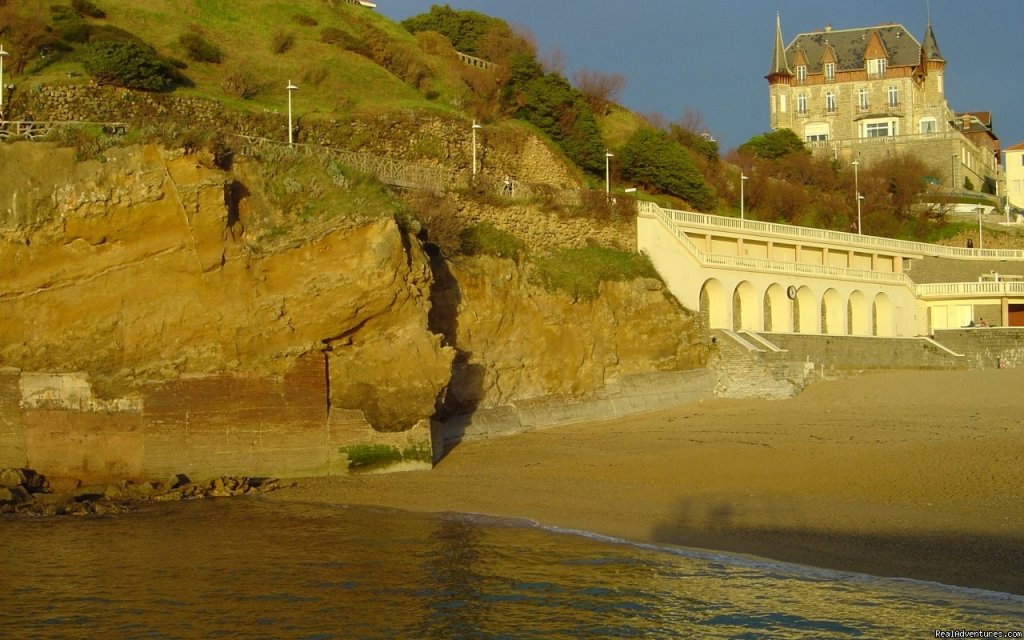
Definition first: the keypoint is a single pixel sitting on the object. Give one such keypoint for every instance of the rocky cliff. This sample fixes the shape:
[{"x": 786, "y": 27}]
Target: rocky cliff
[{"x": 143, "y": 287}]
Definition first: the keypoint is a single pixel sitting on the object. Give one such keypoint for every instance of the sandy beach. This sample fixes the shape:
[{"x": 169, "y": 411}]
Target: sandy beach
[{"x": 909, "y": 473}]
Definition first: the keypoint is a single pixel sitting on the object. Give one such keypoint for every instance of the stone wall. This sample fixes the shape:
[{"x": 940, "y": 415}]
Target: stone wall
[
  {"x": 628, "y": 395},
  {"x": 986, "y": 348},
  {"x": 12, "y": 432},
  {"x": 542, "y": 230},
  {"x": 755, "y": 374},
  {"x": 932, "y": 269},
  {"x": 410, "y": 136},
  {"x": 202, "y": 426},
  {"x": 862, "y": 352}
]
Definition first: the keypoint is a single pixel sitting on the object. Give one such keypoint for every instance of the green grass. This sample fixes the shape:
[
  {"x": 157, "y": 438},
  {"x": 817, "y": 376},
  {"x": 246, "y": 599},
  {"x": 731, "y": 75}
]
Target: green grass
[
  {"x": 580, "y": 272},
  {"x": 367, "y": 456},
  {"x": 340, "y": 80},
  {"x": 486, "y": 239}
]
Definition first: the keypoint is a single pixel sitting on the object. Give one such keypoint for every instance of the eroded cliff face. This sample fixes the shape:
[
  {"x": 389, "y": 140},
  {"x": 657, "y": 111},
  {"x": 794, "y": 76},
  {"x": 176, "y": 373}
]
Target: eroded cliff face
[
  {"x": 146, "y": 278},
  {"x": 515, "y": 341},
  {"x": 133, "y": 270}
]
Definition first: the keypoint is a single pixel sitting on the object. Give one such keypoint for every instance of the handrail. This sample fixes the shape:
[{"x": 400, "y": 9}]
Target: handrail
[
  {"x": 758, "y": 264},
  {"x": 839, "y": 237}
]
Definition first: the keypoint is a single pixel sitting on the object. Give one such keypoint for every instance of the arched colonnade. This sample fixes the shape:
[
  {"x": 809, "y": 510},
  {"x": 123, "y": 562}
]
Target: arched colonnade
[{"x": 796, "y": 309}]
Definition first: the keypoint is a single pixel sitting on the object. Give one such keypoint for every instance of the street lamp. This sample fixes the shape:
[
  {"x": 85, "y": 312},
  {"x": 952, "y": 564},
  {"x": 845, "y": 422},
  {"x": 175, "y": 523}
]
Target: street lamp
[
  {"x": 981, "y": 240},
  {"x": 291, "y": 130},
  {"x": 856, "y": 189},
  {"x": 475, "y": 127},
  {"x": 743, "y": 179},
  {"x": 859, "y": 199},
  {"x": 2, "y": 55},
  {"x": 608, "y": 155}
]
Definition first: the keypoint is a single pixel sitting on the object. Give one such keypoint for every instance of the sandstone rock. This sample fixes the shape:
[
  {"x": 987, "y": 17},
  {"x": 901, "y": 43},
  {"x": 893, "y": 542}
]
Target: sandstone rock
[
  {"x": 178, "y": 480},
  {"x": 12, "y": 477}
]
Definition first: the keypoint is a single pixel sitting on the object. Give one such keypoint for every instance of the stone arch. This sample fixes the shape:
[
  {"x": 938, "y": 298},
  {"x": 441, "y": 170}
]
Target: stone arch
[
  {"x": 713, "y": 304},
  {"x": 882, "y": 316},
  {"x": 860, "y": 314},
  {"x": 778, "y": 315},
  {"x": 806, "y": 313},
  {"x": 833, "y": 313},
  {"x": 745, "y": 308}
]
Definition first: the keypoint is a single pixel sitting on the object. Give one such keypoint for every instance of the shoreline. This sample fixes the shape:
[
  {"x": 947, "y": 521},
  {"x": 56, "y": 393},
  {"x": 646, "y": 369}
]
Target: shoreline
[{"x": 908, "y": 474}]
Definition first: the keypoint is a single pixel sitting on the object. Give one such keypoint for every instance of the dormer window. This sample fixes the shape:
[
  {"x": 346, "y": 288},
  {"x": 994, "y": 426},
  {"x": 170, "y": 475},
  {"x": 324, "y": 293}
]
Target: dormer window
[
  {"x": 876, "y": 68},
  {"x": 801, "y": 74},
  {"x": 830, "y": 72}
]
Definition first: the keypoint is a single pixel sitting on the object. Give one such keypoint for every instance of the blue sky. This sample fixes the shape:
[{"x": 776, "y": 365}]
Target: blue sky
[{"x": 712, "y": 55}]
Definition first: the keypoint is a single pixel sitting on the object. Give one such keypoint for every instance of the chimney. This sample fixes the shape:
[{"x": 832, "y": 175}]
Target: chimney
[{"x": 966, "y": 122}]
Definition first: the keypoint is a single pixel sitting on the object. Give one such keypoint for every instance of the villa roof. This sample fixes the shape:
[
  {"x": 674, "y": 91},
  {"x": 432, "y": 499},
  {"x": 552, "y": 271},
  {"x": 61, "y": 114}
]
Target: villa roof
[
  {"x": 1017, "y": 147},
  {"x": 850, "y": 45}
]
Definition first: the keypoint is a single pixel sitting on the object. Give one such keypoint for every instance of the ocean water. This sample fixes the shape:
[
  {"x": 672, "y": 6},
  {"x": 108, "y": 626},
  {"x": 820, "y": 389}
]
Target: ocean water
[{"x": 256, "y": 568}]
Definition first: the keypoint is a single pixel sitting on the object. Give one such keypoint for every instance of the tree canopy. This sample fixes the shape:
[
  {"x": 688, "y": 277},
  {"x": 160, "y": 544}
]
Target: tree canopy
[{"x": 655, "y": 161}]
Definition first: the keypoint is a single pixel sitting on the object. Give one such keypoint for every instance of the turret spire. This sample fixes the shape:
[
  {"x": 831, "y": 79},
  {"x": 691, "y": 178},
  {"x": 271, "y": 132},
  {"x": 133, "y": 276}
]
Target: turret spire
[{"x": 779, "y": 64}]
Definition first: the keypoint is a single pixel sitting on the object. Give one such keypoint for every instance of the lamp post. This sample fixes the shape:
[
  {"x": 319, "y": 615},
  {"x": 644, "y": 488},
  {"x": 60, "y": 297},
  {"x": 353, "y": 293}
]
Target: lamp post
[
  {"x": 981, "y": 240},
  {"x": 856, "y": 189},
  {"x": 743, "y": 180},
  {"x": 475, "y": 127},
  {"x": 291, "y": 130},
  {"x": 608, "y": 155},
  {"x": 3, "y": 54},
  {"x": 859, "y": 199}
]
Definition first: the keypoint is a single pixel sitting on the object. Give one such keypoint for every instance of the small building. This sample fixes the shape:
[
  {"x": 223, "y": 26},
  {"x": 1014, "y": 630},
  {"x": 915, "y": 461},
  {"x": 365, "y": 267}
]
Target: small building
[{"x": 1015, "y": 176}]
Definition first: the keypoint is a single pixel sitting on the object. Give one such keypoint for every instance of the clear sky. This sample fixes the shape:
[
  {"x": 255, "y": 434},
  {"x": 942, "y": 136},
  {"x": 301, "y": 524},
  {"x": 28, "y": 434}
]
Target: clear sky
[{"x": 711, "y": 56}]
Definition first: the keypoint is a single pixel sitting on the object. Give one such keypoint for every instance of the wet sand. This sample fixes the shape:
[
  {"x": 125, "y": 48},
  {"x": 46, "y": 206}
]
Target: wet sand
[{"x": 910, "y": 473}]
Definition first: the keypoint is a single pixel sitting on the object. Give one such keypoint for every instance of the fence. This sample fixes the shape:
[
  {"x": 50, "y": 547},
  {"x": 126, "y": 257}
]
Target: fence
[{"x": 37, "y": 130}]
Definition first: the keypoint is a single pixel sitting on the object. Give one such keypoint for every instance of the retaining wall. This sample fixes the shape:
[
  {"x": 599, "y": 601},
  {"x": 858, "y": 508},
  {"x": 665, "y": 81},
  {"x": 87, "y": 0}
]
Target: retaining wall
[
  {"x": 629, "y": 395},
  {"x": 986, "y": 347},
  {"x": 862, "y": 352}
]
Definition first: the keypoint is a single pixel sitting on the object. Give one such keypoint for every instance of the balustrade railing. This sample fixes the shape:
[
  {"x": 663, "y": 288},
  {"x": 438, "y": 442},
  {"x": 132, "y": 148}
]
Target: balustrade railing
[
  {"x": 668, "y": 217},
  {"x": 710, "y": 221}
]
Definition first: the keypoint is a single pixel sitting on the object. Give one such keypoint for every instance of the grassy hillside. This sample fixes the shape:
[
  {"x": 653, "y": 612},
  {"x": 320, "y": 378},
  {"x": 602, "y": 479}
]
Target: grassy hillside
[{"x": 367, "y": 65}]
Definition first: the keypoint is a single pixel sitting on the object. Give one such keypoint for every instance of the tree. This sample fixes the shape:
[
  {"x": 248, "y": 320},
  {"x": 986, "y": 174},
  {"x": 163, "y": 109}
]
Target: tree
[
  {"x": 466, "y": 30},
  {"x": 653, "y": 160},
  {"x": 600, "y": 89},
  {"x": 130, "y": 65},
  {"x": 774, "y": 144}
]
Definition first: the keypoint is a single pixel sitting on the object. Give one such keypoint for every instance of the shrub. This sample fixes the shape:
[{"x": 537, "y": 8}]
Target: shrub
[
  {"x": 486, "y": 239},
  {"x": 281, "y": 41},
  {"x": 199, "y": 48},
  {"x": 130, "y": 65},
  {"x": 88, "y": 9},
  {"x": 304, "y": 20},
  {"x": 580, "y": 272},
  {"x": 241, "y": 83},
  {"x": 774, "y": 144}
]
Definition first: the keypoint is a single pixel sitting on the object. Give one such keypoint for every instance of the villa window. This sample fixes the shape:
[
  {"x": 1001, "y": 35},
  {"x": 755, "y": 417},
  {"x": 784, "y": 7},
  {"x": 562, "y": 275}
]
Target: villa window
[
  {"x": 894, "y": 96},
  {"x": 862, "y": 98},
  {"x": 876, "y": 68},
  {"x": 801, "y": 104},
  {"x": 927, "y": 125},
  {"x": 876, "y": 130},
  {"x": 782, "y": 103},
  {"x": 830, "y": 102},
  {"x": 830, "y": 72},
  {"x": 801, "y": 74}
]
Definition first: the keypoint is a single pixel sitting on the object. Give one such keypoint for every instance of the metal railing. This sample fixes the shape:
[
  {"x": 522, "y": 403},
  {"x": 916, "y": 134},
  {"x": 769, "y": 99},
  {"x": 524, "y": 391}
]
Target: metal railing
[
  {"x": 39, "y": 129},
  {"x": 903, "y": 247}
]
